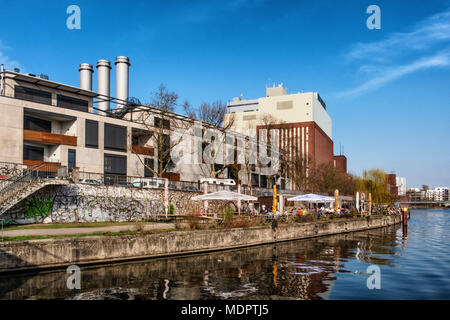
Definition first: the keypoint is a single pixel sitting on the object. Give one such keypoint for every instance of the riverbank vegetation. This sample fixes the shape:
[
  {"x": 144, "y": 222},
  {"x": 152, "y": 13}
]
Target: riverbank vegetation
[{"x": 325, "y": 178}]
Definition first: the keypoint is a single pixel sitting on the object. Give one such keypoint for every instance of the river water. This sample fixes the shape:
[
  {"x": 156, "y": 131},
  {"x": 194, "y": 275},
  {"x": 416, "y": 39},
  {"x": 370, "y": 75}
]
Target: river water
[{"x": 413, "y": 264}]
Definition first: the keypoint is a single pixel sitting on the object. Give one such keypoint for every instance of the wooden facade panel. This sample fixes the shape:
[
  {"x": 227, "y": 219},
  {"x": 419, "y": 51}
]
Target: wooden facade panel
[
  {"x": 143, "y": 150},
  {"x": 48, "y": 137},
  {"x": 171, "y": 176}
]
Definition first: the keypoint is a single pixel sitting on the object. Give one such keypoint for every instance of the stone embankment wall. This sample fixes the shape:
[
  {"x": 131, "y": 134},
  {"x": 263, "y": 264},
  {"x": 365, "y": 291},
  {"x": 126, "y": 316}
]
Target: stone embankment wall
[
  {"x": 90, "y": 203},
  {"x": 52, "y": 253}
]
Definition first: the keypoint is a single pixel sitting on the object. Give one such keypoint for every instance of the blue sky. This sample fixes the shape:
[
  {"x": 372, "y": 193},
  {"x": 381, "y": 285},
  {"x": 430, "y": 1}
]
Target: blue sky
[{"x": 386, "y": 90}]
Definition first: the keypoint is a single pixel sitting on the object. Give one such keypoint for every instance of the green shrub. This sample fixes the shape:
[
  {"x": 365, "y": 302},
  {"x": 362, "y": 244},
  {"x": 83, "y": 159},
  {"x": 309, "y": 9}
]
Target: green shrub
[
  {"x": 228, "y": 215},
  {"x": 172, "y": 208}
]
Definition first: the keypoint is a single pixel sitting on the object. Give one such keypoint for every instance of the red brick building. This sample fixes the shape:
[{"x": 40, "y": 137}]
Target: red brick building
[
  {"x": 306, "y": 140},
  {"x": 340, "y": 163},
  {"x": 392, "y": 185}
]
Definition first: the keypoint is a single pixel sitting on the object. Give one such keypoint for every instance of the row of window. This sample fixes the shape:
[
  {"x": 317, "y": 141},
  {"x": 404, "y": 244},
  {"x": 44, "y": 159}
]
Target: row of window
[
  {"x": 115, "y": 136},
  {"x": 45, "y": 97}
]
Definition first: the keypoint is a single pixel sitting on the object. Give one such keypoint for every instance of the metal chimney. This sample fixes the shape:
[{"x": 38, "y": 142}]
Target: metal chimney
[
  {"x": 86, "y": 71},
  {"x": 104, "y": 67},
  {"x": 122, "y": 79}
]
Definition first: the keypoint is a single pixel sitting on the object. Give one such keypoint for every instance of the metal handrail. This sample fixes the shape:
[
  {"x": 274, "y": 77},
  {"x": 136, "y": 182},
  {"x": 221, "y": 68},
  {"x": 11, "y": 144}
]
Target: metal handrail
[{"x": 12, "y": 186}]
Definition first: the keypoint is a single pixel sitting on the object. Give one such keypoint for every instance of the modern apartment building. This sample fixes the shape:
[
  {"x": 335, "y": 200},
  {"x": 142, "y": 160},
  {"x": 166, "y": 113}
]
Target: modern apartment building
[
  {"x": 441, "y": 194},
  {"x": 54, "y": 123},
  {"x": 302, "y": 119}
]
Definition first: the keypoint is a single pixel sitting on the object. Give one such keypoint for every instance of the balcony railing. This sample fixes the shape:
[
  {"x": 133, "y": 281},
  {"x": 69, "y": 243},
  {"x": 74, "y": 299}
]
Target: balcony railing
[{"x": 158, "y": 183}]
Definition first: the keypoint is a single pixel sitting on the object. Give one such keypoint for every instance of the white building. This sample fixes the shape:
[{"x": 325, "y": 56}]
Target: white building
[
  {"x": 401, "y": 185},
  {"x": 441, "y": 194}
]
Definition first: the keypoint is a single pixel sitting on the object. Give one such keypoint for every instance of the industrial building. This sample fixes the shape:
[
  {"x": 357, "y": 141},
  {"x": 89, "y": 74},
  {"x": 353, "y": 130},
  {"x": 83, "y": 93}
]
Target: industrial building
[
  {"x": 55, "y": 124},
  {"x": 305, "y": 127}
]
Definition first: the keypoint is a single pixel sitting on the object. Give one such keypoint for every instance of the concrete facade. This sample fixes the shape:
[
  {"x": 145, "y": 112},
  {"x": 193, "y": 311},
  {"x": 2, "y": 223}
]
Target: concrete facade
[{"x": 69, "y": 125}]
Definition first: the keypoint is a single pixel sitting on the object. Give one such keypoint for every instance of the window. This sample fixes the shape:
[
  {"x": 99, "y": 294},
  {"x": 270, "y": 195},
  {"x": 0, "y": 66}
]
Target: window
[
  {"x": 33, "y": 153},
  {"x": 31, "y": 123},
  {"x": 164, "y": 152},
  {"x": 115, "y": 164},
  {"x": 72, "y": 103},
  {"x": 263, "y": 181},
  {"x": 232, "y": 173},
  {"x": 282, "y": 184},
  {"x": 33, "y": 95},
  {"x": 149, "y": 162},
  {"x": 71, "y": 159},
  {"x": 91, "y": 134},
  {"x": 165, "y": 123},
  {"x": 255, "y": 180},
  {"x": 115, "y": 137}
]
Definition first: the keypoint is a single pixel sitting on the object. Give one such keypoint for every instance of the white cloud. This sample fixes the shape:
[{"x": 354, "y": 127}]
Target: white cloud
[
  {"x": 391, "y": 59},
  {"x": 432, "y": 31},
  {"x": 5, "y": 60},
  {"x": 393, "y": 73}
]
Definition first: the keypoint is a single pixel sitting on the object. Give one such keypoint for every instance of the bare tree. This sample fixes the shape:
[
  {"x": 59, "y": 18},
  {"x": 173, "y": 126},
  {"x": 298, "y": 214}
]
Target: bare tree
[
  {"x": 212, "y": 115},
  {"x": 158, "y": 119}
]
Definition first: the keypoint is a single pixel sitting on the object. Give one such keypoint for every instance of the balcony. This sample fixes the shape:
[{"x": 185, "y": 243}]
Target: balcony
[
  {"x": 49, "y": 138},
  {"x": 143, "y": 150}
]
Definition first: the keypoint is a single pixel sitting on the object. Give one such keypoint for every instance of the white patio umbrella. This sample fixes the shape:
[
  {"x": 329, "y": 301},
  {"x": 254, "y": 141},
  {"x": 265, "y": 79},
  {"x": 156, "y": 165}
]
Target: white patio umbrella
[
  {"x": 311, "y": 197},
  {"x": 224, "y": 195}
]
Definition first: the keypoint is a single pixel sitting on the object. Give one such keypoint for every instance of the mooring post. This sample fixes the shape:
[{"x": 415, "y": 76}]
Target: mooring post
[{"x": 405, "y": 216}]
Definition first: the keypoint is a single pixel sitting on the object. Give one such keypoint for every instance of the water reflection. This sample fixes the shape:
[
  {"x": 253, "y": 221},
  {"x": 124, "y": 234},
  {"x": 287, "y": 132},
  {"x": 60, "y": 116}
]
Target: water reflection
[{"x": 305, "y": 269}]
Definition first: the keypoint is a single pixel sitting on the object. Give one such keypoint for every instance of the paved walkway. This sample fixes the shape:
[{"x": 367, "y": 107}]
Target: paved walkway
[{"x": 86, "y": 230}]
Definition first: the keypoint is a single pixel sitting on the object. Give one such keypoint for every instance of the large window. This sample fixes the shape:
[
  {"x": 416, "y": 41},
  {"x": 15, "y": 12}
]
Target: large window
[
  {"x": 31, "y": 123},
  {"x": 263, "y": 182},
  {"x": 149, "y": 163},
  {"x": 115, "y": 164},
  {"x": 255, "y": 180},
  {"x": 33, "y": 153},
  {"x": 91, "y": 134},
  {"x": 72, "y": 103},
  {"x": 33, "y": 95},
  {"x": 164, "y": 152},
  {"x": 115, "y": 137},
  {"x": 165, "y": 123}
]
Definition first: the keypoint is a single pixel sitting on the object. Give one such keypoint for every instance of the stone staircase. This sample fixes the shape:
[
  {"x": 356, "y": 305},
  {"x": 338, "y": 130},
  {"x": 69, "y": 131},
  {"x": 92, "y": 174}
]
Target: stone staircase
[{"x": 26, "y": 185}]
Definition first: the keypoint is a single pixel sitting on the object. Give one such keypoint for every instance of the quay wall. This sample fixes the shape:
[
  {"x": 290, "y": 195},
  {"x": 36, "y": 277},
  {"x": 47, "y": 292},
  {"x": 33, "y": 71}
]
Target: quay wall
[{"x": 56, "y": 253}]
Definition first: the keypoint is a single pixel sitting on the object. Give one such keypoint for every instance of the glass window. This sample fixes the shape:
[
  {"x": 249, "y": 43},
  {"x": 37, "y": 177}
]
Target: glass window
[
  {"x": 91, "y": 134},
  {"x": 149, "y": 163},
  {"x": 115, "y": 137},
  {"x": 72, "y": 103},
  {"x": 33, "y": 153},
  {"x": 71, "y": 159},
  {"x": 33, "y": 95},
  {"x": 31, "y": 123}
]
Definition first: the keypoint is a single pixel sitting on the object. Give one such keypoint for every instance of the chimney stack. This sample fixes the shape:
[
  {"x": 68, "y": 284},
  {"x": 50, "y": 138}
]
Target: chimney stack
[
  {"x": 86, "y": 71},
  {"x": 122, "y": 80},
  {"x": 103, "y": 86}
]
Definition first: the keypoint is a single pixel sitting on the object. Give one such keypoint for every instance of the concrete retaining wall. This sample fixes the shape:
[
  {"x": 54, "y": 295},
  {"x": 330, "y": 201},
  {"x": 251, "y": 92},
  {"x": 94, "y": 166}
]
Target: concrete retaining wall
[
  {"x": 91, "y": 203},
  {"x": 52, "y": 253}
]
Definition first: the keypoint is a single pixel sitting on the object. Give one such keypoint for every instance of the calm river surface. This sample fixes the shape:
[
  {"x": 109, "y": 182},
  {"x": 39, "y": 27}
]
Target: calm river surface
[{"x": 413, "y": 266}]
